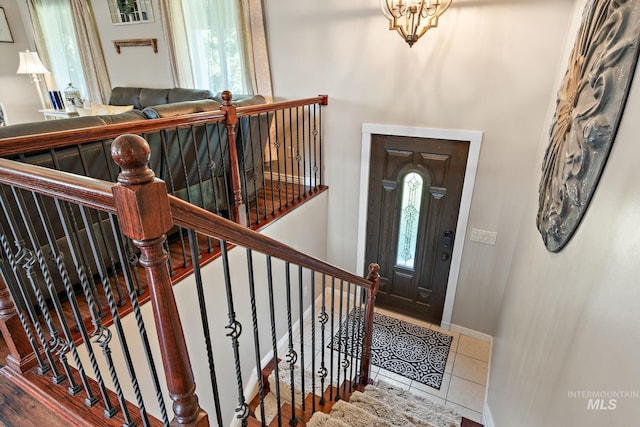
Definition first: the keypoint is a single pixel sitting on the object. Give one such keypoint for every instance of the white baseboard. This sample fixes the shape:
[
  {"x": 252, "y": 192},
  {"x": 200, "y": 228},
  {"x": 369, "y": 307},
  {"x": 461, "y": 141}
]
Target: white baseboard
[
  {"x": 487, "y": 418},
  {"x": 468, "y": 332}
]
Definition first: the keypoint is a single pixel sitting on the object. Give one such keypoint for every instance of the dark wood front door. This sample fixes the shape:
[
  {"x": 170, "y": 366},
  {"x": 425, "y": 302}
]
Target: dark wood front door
[{"x": 415, "y": 186}]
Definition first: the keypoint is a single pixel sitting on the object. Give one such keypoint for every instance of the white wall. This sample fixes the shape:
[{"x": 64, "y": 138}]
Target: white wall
[
  {"x": 491, "y": 66},
  {"x": 570, "y": 320},
  {"x": 17, "y": 93},
  {"x": 134, "y": 66}
]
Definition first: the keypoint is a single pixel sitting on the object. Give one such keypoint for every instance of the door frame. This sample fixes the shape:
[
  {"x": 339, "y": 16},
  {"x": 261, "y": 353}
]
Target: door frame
[{"x": 475, "y": 141}]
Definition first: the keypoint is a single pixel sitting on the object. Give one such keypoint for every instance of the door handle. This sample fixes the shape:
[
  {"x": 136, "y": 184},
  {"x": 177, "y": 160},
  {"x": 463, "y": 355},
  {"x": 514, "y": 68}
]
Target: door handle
[
  {"x": 445, "y": 256},
  {"x": 447, "y": 240}
]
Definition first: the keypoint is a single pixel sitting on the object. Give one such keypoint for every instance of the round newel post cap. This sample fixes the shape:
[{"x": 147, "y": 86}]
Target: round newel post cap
[
  {"x": 226, "y": 97},
  {"x": 373, "y": 271},
  {"x": 132, "y": 153}
]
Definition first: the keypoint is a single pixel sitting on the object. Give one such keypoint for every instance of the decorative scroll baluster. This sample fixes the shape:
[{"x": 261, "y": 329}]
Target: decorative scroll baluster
[
  {"x": 12, "y": 284},
  {"x": 359, "y": 338},
  {"x": 271, "y": 143},
  {"x": 293, "y": 158},
  {"x": 313, "y": 338},
  {"x": 59, "y": 345},
  {"x": 235, "y": 330},
  {"x": 104, "y": 338},
  {"x": 133, "y": 297},
  {"x": 145, "y": 216},
  {"x": 200, "y": 177},
  {"x": 171, "y": 185},
  {"x": 292, "y": 356},
  {"x": 274, "y": 338},
  {"x": 261, "y": 137},
  {"x": 63, "y": 212},
  {"x": 348, "y": 358},
  {"x": 277, "y": 145},
  {"x": 256, "y": 336},
  {"x": 365, "y": 368},
  {"x": 299, "y": 157},
  {"x": 21, "y": 356},
  {"x": 323, "y": 318},
  {"x": 56, "y": 256},
  {"x": 333, "y": 323},
  {"x": 193, "y": 242}
]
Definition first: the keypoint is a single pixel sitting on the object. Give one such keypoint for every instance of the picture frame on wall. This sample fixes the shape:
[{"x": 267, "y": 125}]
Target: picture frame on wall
[
  {"x": 130, "y": 11},
  {"x": 5, "y": 31}
]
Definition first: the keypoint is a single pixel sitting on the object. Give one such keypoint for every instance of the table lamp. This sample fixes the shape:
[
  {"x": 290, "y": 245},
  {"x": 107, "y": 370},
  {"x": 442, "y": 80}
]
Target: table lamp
[{"x": 30, "y": 64}]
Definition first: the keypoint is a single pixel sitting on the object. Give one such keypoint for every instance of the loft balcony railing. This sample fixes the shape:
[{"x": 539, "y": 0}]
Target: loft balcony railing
[{"x": 80, "y": 255}]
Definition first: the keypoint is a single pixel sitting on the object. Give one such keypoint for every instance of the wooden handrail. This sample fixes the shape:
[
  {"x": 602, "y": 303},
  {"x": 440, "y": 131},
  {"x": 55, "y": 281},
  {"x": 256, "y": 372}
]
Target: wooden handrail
[
  {"x": 97, "y": 194},
  {"x": 38, "y": 142}
]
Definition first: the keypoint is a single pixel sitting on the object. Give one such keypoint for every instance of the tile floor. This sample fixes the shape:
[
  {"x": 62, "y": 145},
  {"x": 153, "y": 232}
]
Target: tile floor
[{"x": 463, "y": 385}]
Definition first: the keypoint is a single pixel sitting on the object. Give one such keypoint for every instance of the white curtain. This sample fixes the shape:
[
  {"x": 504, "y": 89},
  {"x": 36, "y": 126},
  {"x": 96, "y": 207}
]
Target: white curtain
[
  {"x": 218, "y": 45},
  {"x": 68, "y": 43}
]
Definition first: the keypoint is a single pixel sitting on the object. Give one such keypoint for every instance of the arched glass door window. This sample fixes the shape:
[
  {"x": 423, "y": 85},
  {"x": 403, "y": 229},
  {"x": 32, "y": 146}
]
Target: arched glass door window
[{"x": 412, "y": 187}]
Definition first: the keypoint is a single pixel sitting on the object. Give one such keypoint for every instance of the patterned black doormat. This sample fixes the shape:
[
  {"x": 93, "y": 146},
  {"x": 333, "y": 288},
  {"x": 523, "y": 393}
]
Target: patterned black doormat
[{"x": 409, "y": 350}]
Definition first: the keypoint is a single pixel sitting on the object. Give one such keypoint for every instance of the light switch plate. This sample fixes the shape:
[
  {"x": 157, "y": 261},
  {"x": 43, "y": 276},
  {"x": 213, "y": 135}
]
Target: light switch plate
[{"x": 483, "y": 236}]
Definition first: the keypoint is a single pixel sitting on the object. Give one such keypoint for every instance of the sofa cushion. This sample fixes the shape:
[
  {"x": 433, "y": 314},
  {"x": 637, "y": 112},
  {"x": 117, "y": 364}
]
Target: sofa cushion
[
  {"x": 127, "y": 116},
  {"x": 102, "y": 110},
  {"x": 33, "y": 128},
  {"x": 179, "y": 94},
  {"x": 125, "y": 96},
  {"x": 180, "y": 108}
]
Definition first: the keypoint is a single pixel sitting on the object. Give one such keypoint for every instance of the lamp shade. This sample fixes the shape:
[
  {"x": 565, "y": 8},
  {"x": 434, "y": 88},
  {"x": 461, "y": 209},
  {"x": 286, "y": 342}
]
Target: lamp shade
[{"x": 30, "y": 64}]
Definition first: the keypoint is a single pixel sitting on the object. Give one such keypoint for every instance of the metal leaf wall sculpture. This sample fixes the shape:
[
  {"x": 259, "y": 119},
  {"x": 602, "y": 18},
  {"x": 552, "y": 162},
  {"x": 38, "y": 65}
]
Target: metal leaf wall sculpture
[{"x": 589, "y": 108}]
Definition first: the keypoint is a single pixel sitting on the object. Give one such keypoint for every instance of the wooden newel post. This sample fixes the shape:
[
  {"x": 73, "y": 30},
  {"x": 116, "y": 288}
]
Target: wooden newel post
[
  {"x": 145, "y": 216},
  {"x": 21, "y": 357},
  {"x": 365, "y": 368},
  {"x": 238, "y": 210}
]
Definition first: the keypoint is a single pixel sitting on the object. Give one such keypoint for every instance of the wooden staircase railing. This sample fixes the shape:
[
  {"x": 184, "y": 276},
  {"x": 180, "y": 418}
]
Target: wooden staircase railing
[{"x": 146, "y": 213}]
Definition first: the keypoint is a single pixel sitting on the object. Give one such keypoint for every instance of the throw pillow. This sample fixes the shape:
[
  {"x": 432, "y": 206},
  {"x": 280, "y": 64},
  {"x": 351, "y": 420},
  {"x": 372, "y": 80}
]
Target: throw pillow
[{"x": 103, "y": 110}]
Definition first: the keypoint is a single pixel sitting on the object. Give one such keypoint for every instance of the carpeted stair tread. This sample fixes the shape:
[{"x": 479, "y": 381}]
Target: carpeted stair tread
[
  {"x": 284, "y": 373},
  {"x": 420, "y": 411},
  {"x": 321, "y": 419},
  {"x": 270, "y": 409},
  {"x": 380, "y": 409},
  {"x": 356, "y": 417}
]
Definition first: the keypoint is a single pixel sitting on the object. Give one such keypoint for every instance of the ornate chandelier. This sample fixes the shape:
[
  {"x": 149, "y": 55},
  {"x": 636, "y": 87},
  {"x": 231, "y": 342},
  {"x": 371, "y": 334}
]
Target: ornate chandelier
[{"x": 412, "y": 18}]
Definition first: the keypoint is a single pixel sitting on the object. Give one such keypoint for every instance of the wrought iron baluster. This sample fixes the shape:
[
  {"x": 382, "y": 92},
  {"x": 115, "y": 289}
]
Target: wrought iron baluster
[
  {"x": 63, "y": 214},
  {"x": 338, "y": 397},
  {"x": 22, "y": 304},
  {"x": 301, "y": 323},
  {"x": 29, "y": 264},
  {"x": 211, "y": 165},
  {"x": 292, "y": 357},
  {"x": 274, "y": 338},
  {"x": 320, "y": 142},
  {"x": 348, "y": 358},
  {"x": 350, "y": 314},
  {"x": 360, "y": 329},
  {"x": 323, "y": 318},
  {"x": 23, "y": 260},
  {"x": 171, "y": 187},
  {"x": 127, "y": 270},
  {"x": 256, "y": 336},
  {"x": 273, "y": 186},
  {"x": 104, "y": 337},
  {"x": 314, "y": 132},
  {"x": 277, "y": 144},
  {"x": 292, "y": 157},
  {"x": 299, "y": 158},
  {"x": 57, "y": 257},
  {"x": 235, "y": 330},
  {"x": 200, "y": 176},
  {"x": 262, "y": 162},
  {"x": 204, "y": 317},
  {"x": 313, "y": 340},
  {"x": 333, "y": 312}
]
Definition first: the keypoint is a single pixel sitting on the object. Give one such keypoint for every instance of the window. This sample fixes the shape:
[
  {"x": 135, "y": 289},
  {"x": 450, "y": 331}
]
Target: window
[
  {"x": 214, "y": 39},
  {"x": 409, "y": 220},
  {"x": 59, "y": 37}
]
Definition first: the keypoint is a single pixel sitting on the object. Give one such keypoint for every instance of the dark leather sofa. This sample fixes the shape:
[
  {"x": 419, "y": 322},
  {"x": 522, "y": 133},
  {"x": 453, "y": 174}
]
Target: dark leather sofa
[{"x": 191, "y": 160}]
